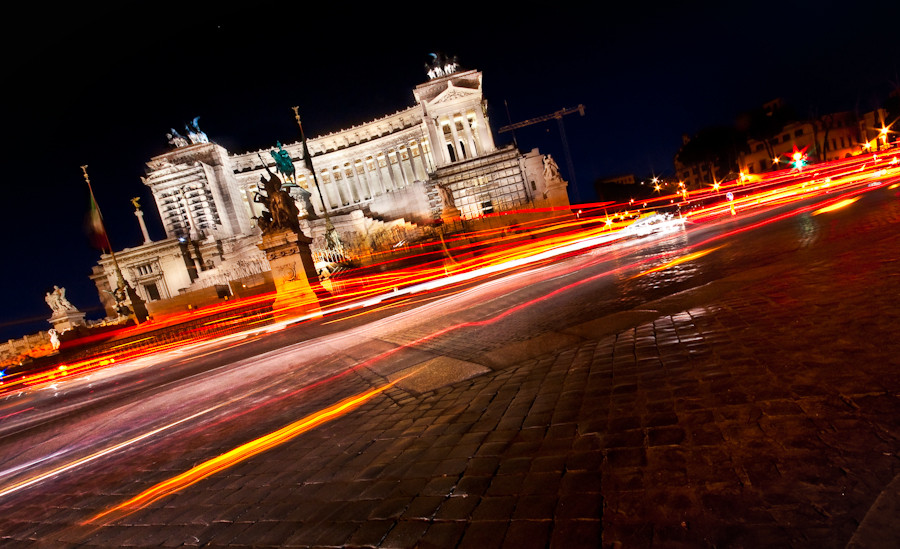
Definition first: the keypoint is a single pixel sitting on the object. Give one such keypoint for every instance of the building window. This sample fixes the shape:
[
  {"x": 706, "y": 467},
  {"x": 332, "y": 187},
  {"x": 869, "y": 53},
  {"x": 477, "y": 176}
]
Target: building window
[
  {"x": 759, "y": 147},
  {"x": 785, "y": 138},
  {"x": 798, "y": 133},
  {"x": 145, "y": 269}
]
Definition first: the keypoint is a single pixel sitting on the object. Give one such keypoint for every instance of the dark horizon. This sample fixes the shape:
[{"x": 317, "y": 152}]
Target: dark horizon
[{"x": 102, "y": 89}]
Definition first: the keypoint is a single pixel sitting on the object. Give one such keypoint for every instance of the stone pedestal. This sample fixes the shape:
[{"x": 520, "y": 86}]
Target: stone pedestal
[
  {"x": 557, "y": 194},
  {"x": 136, "y": 304},
  {"x": 65, "y": 320},
  {"x": 293, "y": 271},
  {"x": 449, "y": 214}
]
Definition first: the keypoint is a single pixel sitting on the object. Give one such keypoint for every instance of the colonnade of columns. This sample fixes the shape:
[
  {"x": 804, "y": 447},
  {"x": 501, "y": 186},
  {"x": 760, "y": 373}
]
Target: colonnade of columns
[
  {"x": 463, "y": 133},
  {"x": 355, "y": 179}
]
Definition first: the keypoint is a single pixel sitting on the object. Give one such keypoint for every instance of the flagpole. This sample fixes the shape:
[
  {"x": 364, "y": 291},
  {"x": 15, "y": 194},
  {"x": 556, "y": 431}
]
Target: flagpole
[
  {"x": 119, "y": 278},
  {"x": 330, "y": 234},
  {"x": 138, "y": 309}
]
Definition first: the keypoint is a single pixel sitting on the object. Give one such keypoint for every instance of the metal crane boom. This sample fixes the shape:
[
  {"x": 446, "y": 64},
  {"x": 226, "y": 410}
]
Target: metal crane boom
[{"x": 558, "y": 115}]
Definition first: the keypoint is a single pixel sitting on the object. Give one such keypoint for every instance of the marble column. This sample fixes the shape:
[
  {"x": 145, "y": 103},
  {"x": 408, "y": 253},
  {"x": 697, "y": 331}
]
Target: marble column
[
  {"x": 470, "y": 141},
  {"x": 483, "y": 132},
  {"x": 432, "y": 128},
  {"x": 423, "y": 162},
  {"x": 387, "y": 181},
  {"x": 338, "y": 176},
  {"x": 364, "y": 179},
  {"x": 316, "y": 192},
  {"x": 411, "y": 168},
  {"x": 140, "y": 216},
  {"x": 460, "y": 155},
  {"x": 395, "y": 183},
  {"x": 403, "y": 180},
  {"x": 375, "y": 175},
  {"x": 331, "y": 190}
]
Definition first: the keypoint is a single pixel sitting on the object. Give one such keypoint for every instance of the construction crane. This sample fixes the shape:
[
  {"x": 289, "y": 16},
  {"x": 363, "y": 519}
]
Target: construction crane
[{"x": 558, "y": 115}]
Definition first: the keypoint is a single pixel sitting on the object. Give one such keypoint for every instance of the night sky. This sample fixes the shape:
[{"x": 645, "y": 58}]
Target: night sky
[{"x": 103, "y": 87}]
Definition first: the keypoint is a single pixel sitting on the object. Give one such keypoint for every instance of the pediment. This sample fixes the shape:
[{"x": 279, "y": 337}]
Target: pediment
[{"x": 453, "y": 93}]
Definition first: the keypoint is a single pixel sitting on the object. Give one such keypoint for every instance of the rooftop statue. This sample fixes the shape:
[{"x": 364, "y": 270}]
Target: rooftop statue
[
  {"x": 194, "y": 133},
  {"x": 176, "y": 139},
  {"x": 441, "y": 66},
  {"x": 57, "y": 301},
  {"x": 551, "y": 170}
]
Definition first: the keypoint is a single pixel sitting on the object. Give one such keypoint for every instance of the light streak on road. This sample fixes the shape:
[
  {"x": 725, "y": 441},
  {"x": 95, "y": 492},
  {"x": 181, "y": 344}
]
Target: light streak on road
[
  {"x": 835, "y": 206},
  {"x": 552, "y": 247},
  {"x": 678, "y": 261},
  {"x": 7, "y": 490},
  {"x": 468, "y": 257},
  {"x": 241, "y": 453}
]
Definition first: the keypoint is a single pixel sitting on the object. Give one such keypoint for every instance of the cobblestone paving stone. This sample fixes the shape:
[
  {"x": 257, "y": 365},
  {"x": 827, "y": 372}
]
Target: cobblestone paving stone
[{"x": 751, "y": 413}]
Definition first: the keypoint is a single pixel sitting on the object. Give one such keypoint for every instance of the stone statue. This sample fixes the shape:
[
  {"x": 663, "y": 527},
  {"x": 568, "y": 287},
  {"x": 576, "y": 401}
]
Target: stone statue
[
  {"x": 54, "y": 338},
  {"x": 58, "y": 302},
  {"x": 310, "y": 212},
  {"x": 194, "y": 133},
  {"x": 176, "y": 139},
  {"x": 551, "y": 170},
  {"x": 121, "y": 298},
  {"x": 446, "y": 196},
  {"x": 282, "y": 210},
  {"x": 440, "y": 66}
]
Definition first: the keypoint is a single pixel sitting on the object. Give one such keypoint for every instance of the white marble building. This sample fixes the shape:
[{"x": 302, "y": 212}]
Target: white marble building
[{"x": 384, "y": 172}]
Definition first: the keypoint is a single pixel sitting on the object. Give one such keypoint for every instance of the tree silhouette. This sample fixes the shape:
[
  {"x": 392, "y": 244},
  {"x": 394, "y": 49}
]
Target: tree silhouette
[{"x": 715, "y": 147}]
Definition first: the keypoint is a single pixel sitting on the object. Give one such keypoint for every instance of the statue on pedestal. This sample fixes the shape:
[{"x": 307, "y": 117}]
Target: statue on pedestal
[
  {"x": 551, "y": 170},
  {"x": 194, "y": 134},
  {"x": 283, "y": 162},
  {"x": 282, "y": 210},
  {"x": 446, "y": 197},
  {"x": 57, "y": 301},
  {"x": 176, "y": 139}
]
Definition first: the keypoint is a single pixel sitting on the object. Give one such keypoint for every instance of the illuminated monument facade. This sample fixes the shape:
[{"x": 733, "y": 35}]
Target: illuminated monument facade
[{"x": 433, "y": 161}]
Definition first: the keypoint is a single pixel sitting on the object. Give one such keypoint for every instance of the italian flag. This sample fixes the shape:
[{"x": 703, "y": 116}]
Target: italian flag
[{"x": 94, "y": 226}]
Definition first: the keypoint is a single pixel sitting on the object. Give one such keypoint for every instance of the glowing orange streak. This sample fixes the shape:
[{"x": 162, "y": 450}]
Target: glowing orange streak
[
  {"x": 79, "y": 462},
  {"x": 243, "y": 452},
  {"x": 131, "y": 343},
  {"x": 678, "y": 261},
  {"x": 835, "y": 206}
]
